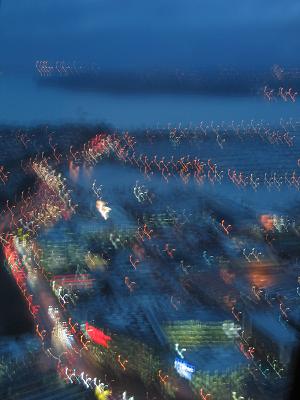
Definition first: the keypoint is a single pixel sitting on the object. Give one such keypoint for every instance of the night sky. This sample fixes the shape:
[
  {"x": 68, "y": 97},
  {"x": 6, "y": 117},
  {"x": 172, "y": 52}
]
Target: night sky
[{"x": 166, "y": 34}]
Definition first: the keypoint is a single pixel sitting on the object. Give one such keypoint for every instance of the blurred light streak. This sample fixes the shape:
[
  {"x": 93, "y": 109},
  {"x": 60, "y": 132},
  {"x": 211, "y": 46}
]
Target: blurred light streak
[
  {"x": 103, "y": 209},
  {"x": 97, "y": 335}
]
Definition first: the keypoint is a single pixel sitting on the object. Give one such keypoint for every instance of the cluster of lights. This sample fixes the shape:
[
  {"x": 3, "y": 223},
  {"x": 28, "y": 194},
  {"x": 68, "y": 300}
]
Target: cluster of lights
[
  {"x": 282, "y": 93},
  {"x": 62, "y": 333},
  {"x": 223, "y": 133},
  {"x": 56, "y": 185}
]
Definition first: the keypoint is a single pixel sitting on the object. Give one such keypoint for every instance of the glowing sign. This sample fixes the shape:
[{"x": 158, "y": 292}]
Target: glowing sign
[{"x": 184, "y": 369}]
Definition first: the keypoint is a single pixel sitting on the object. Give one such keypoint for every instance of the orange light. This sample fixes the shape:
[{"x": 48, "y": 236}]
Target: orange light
[{"x": 267, "y": 222}]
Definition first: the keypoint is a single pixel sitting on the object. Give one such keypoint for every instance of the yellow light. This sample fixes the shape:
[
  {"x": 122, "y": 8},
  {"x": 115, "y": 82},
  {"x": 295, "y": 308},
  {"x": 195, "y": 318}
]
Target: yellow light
[{"x": 102, "y": 394}]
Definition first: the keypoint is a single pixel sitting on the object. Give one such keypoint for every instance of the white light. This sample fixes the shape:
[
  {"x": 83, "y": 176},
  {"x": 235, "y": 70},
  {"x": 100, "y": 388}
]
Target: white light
[
  {"x": 103, "y": 209},
  {"x": 230, "y": 329},
  {"x": 184, "y": 370}
]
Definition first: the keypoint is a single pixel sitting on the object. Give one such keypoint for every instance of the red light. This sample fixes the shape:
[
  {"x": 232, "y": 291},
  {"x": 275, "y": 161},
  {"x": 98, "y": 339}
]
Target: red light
[{"x": 97, "y": 335}]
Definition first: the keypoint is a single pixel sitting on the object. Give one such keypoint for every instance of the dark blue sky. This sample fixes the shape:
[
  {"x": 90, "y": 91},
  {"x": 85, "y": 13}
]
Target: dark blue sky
[{"x": 187, "y": 34}]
